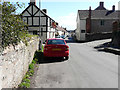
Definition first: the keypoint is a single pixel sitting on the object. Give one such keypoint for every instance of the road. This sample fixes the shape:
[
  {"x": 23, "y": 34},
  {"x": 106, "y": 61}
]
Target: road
[{"x": 86, "y": 68}]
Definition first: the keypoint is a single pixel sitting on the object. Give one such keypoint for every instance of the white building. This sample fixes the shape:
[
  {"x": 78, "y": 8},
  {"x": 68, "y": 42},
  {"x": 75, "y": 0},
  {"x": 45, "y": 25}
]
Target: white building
[
  {"x": 61, "y": 31},
  {"x": 38, "y": 21},
  {"x": 95, "y": 24}
]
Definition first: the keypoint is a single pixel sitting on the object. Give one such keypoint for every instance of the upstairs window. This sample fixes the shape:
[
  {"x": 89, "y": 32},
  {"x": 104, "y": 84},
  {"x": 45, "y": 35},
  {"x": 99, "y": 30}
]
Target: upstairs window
[{"x": 102, "y": 22}]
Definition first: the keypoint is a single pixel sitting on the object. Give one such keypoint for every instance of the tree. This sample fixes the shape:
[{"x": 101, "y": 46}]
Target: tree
[{"x": 13, "y": 27}]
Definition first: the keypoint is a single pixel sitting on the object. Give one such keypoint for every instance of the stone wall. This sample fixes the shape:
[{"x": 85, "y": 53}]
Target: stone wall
[
  {"x": 98, "y": 36},
  {"x": 15, "y": 62},
  {"x": 96, "y": 26}
]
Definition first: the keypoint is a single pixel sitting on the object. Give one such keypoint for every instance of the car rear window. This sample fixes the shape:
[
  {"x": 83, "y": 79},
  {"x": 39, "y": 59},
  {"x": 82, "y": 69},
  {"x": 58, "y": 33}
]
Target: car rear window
[{"x": 56, "y": 42}]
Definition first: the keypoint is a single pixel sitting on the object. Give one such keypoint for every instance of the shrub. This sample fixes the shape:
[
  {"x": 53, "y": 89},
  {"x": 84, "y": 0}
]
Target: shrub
[
  {"x": 13, "y": 27},
  {"x": 31, "y": 66}
]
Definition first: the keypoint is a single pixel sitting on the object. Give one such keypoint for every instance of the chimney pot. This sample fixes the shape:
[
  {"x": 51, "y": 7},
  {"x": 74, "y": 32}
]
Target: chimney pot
[
  {"x": 90, "y": 12},
  {"x": 90, "y": 8},
  {"x": 102, "y": 4},
  {"x": 33, "y": 2},
  {"x": 113, "y": 7},
  {"x": 44, "y": 10}
]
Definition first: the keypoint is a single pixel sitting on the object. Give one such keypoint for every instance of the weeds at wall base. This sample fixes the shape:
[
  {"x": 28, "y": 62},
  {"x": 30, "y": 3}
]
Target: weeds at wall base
[{"x": 26, "y": 79}]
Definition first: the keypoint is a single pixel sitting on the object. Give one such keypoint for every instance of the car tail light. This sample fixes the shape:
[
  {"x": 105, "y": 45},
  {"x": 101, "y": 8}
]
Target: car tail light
[
  {"x": 46, "y": 47},
  {"x": 67, "y": 48}
]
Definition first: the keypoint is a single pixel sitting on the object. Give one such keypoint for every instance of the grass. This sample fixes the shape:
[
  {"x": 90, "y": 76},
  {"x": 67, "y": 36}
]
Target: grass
[
  {"x": 41, "y": 49},
  {"x": 26, "y": 79}
]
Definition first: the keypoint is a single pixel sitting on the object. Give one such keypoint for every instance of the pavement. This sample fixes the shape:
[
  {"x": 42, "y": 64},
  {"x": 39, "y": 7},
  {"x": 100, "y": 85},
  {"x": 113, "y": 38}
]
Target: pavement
[{"x": 107, "y": 47}]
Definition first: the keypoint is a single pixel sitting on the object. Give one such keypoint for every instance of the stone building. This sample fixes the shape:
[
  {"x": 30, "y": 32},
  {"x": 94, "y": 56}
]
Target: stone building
[{"x": 95, "y": 24}]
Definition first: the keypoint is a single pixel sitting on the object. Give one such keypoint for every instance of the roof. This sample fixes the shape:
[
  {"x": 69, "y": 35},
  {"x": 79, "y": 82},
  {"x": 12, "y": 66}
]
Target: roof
[
  {"x": 60, "y": 29},
  {"x": 98, "y": 14},
  {"x": 38, "y": 9},
  {"x": 100, "y": 8}
]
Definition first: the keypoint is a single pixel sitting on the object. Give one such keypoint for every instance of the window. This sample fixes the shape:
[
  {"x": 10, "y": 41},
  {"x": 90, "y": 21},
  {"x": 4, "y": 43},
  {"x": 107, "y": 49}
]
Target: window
[
  {"x": 102, "y": 22},
  {"x": 82, "y": 31},
  {"x": 41, "y": 31},
  {"x": 56, "y": 42},
  {"x": 34, "y": 32}
]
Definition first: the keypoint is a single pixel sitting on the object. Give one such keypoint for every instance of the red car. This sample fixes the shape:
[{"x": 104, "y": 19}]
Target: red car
[{"x": 56, "y": 47}]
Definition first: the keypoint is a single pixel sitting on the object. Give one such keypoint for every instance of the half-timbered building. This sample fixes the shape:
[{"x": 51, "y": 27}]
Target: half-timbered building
[{"x": 38, "y": 21}]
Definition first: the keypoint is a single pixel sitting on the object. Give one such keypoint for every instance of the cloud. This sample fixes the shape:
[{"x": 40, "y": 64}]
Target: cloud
[{"x": 68, "y": 21}]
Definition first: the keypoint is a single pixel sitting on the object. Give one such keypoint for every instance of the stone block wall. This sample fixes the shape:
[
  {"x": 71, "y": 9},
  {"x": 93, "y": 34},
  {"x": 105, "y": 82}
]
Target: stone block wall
[
  {"x": 98, "y": 36},
  {"x": 15, "y": 62}
]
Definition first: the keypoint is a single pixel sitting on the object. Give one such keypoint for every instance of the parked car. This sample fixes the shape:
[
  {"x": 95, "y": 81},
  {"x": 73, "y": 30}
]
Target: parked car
[
  {"x": 56, "y": 47},
  {"x": 63, "y": 36},
  {"x": 58, "y": 36},
  {"x": 69, "y": 37}
]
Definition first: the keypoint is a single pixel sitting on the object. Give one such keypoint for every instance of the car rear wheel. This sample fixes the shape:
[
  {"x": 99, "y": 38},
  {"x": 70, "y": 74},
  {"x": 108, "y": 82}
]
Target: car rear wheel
[{"x": 66, "y": 58}]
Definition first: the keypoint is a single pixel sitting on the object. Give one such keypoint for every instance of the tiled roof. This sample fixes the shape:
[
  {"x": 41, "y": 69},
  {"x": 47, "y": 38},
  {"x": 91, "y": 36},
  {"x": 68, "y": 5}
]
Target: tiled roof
[
  {"x": 98, "y": 14},
  {"x": 60, "y": 29}
]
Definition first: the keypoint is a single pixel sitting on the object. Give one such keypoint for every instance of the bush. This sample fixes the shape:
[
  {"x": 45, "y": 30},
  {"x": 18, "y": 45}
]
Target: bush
[
  {"x": 24, "y": 85},
  {"x": 13, "y": 27},
  {"x": 31, "y": 66}
]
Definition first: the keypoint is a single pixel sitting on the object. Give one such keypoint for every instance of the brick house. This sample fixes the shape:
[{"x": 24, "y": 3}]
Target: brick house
[{"x": 95, "y": 24}]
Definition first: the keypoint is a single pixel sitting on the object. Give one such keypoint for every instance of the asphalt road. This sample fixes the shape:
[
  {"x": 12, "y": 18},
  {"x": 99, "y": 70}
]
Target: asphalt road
[{"x": 86, "y": 68}]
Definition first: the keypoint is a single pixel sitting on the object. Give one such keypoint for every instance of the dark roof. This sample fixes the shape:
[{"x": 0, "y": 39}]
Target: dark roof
[
  {"x": 100, "y": 8},
  {"x": 98, "y": 14},
  {"x": 38, "y": 9},
  {"x": 109, "y": 12}
]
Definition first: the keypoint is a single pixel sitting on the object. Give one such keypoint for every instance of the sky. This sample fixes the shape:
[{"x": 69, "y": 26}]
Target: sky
[{"x": 65, "y": 11}]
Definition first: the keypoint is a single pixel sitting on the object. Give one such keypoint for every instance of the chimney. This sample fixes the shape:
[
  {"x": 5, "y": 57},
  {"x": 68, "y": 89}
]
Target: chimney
[
  {"x": 44, "y": 10},
  {"x": 101, "y": 4},
  {"x": 90, "y": 12},
  {"x": 88, "y": 22},
  {"x": 33, "y": 2},
  {"x": 113, "y": 7}
]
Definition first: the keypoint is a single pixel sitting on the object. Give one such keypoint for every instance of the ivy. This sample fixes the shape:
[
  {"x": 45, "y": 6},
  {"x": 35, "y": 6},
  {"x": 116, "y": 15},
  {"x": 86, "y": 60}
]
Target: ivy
[{"x": 13, "y": 27}]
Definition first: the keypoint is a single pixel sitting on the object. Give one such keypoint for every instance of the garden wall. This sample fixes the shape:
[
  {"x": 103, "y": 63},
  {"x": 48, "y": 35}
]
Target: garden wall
[{"x": 14, "y": 62}]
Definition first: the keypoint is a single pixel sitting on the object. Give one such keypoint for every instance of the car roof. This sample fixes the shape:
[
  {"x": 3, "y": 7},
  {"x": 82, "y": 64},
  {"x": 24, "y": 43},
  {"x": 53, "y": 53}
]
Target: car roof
[{"x": 55, "y": 39}]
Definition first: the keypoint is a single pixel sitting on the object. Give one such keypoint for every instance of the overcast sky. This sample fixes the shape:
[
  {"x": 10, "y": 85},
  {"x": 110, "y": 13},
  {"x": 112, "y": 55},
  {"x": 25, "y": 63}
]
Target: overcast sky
[{"x": 65, "y": 11}]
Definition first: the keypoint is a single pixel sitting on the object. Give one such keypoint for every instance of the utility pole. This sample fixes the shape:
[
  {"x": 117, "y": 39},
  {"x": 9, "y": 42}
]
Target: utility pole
[{"x": 40, "y": 40}]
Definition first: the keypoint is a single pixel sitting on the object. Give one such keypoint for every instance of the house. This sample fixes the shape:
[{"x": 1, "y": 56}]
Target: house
[
  {"x": 39, "y": 23},
  {"x": 95, "y": 24},
  {"x": 71, "y": 33},
  {"x": 0, "y": 31},
  {"x": 61, "y": 31}
]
